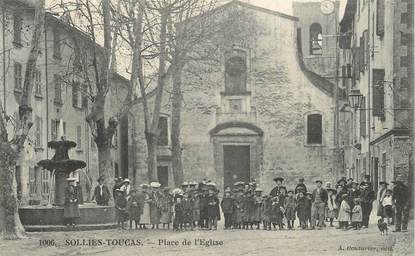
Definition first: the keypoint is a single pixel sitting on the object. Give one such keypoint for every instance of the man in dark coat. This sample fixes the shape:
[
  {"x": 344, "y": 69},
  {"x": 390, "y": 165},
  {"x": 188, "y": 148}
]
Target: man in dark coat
[
  {"x": 71, "y": 207},
  {"x": 276, "y": 190},
  {"x": 117, "y": 185},
  {"x": 318, "y": 207},
  {"x": 101, "y": 192},
  {"x": 367, "y": 196},
  {"x": 300, "y": 187},
  {"x": 401, "y": 197},
  {"x": 228, "y": 206}
]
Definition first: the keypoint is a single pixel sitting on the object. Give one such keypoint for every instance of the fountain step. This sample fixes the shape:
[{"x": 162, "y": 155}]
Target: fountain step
[{"x": 81, "y": 227}]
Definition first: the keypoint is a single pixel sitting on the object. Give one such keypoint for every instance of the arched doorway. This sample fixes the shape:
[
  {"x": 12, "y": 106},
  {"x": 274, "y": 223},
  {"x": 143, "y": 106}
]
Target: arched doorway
[{"x": 237, "y": 149}]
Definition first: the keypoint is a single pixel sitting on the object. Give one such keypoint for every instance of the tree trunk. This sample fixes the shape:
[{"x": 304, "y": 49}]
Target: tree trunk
[
  {"x": 151, "y": 156},
  {"x": 105, "y": 163},
  {"x": 175, "y": 125},
  {"x": 10, "y": 225},
  {"x": 153, "y": 133}
]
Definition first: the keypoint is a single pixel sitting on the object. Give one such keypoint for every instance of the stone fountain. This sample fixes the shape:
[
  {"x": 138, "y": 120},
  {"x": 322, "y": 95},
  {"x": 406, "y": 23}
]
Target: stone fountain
[
  {"x": 50, "y": 217},
  {"x": 61, "y": 166}
]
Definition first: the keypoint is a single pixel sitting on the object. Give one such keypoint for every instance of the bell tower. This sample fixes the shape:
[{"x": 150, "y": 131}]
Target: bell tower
[{"x": 317, "y": 30}]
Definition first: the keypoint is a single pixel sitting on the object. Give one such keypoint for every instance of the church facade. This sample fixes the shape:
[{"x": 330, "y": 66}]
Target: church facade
[{"x": 251, "y": 113}]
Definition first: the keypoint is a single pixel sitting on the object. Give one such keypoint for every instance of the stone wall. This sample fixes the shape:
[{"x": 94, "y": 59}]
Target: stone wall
[{"x": 280, "y": 98}]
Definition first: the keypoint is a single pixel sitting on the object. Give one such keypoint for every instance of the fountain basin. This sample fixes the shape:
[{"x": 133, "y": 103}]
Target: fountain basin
[{"x": 50, "y": 218}]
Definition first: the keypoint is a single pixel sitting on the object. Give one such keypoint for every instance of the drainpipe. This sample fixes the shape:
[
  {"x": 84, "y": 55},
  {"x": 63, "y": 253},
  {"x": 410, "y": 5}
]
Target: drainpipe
[
  {"x": 46, "y": 88},
  {"x": 3, "y": 13},
  {"x": 369, "y": 73}
]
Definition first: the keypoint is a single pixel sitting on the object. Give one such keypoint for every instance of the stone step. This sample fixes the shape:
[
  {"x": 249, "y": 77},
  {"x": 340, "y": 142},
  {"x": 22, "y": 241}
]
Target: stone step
[{"x": 81, "y": 227}]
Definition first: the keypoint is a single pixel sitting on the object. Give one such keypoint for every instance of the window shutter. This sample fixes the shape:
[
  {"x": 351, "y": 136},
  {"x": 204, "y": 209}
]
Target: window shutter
[
  {"x": 75, "y": 92},
  {"x": 363, "y": 118},
  {"x": 53, "y": 130},
  {"x": 378, "y": 93},
  {"x": 362, "y": 55},
  {"x": 366, "y": 47},
  {"x": 349, "y": 70},
  {"x": 356, "y": 67},
  {"x": 85, "y": 97},
  {"x": 344, "y": 75},
  {"x": 380, "y": 18}
]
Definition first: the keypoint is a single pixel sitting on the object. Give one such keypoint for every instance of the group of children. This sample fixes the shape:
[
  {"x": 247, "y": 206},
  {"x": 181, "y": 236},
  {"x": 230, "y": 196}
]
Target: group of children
[{"x": 197, "y": 205}]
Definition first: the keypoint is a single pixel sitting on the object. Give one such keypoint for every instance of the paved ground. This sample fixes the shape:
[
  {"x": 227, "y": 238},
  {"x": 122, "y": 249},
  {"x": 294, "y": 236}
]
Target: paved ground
[{"x": 329, "y": 241}]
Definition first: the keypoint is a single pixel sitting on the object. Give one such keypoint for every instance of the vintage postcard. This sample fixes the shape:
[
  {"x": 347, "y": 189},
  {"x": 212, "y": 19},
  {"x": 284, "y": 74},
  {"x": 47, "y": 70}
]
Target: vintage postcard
[{"x": 207, "y": 127}]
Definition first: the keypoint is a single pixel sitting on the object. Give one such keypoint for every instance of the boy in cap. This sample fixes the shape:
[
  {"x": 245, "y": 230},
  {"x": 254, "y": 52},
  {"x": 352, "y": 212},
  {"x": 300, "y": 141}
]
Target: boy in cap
[
  {"x": 134, "y": 208},
  {"x": 178, "y": 213},
  {"x": 228, "y": 207},
  {"x": 318, "y": 206},
  {"x": 257, "y": 210},
  {"x": 290, "y": 205},
  {"x": 195, "y": 202},
  {"x": 212, "y": 209}
]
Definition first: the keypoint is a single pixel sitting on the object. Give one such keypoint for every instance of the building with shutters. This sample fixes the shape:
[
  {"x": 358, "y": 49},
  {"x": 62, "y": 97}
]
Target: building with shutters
[
  {"x": 377, "y": 59},
  {"x": 60, "y": 100},
  {"x": 252, "y": 110}
]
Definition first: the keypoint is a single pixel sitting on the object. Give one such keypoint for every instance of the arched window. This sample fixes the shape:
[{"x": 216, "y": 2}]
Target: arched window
[
  {"x": 316, "y": 39},
  {"x": 314, "y": 129},
  {"x": 235, "y": 72}
]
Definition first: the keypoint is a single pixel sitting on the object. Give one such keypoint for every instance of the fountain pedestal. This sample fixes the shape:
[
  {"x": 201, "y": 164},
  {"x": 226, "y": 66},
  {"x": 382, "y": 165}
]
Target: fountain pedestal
[
  {"x": 51, "y": 218},
  {"x": 61, "y": 166}
]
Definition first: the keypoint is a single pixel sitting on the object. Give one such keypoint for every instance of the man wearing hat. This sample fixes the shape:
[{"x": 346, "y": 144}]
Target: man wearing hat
[
  {"x": 381, "y": 194},
  {"x": 71, "y": 206},
  {"x": 101, "y": 192},
  {"x": 116, "y": 186},
  {"x": 126, "y": 187},
  {"x": 401, "y": 197},
  {"x": 367, "y": 196},
  {"x": 276, "y": 190},
  {"x": 300, "y": 187},
  {"x": 318, "y": 206}
]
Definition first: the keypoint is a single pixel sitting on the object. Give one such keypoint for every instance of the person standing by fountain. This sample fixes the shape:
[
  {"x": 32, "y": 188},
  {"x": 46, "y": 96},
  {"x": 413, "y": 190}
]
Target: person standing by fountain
[
  {"x": 71, "y": 207},
  {"x": 101, "y": 192}
]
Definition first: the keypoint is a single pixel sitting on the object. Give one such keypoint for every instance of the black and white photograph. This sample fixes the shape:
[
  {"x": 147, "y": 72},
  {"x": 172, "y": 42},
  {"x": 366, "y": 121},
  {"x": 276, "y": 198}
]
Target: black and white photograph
[{"x": 207, "y": 127}]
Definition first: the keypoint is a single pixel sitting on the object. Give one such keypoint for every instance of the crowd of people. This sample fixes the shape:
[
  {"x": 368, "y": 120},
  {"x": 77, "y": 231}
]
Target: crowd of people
[{"x": 245, "y": 206}]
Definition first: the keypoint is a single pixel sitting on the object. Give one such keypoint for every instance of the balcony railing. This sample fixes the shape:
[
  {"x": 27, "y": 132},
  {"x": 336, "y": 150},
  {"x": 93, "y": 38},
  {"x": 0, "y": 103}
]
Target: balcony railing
[{"x": 249, "y": 117}]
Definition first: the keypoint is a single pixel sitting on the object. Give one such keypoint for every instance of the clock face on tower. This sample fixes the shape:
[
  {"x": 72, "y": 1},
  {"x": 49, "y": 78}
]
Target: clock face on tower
[{"x": 327, "y": 7}]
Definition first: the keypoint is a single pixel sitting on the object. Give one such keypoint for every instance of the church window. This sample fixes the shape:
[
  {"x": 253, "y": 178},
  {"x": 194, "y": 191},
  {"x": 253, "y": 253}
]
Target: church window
[
  {"x": 316, "y": 39},
  {"x": 314, "y": 129},
  {"x": 235, "y": 72},
  {"x": 163, "y": 139}
]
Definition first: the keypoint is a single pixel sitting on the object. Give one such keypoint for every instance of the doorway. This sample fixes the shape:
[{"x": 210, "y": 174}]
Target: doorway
[
  {"x": 236, "y": 160},
  {"x": 163, "y": 175}
]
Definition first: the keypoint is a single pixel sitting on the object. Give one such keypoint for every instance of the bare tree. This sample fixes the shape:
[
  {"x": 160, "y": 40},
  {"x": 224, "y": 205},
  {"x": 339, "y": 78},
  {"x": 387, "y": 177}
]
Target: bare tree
[
  {"x": 10, "y": 150},
  {"x": 100, "y": 20}
]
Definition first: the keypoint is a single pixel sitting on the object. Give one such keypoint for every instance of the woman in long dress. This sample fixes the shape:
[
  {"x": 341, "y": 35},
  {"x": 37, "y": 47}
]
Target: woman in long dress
[
  {"x": 166, "y": 203},
  {"x": 71, "y": 207},
  {"x": 155, "y": 211},
  {"x": 145, "y": 215}
]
